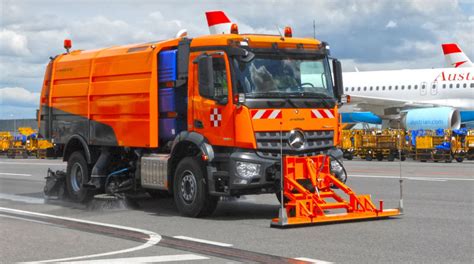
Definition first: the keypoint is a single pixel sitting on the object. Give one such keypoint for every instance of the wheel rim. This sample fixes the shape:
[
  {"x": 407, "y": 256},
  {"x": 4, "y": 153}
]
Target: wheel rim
[
  {"x": 76, "y": 177},
  {"x": 188, "y": 187}
]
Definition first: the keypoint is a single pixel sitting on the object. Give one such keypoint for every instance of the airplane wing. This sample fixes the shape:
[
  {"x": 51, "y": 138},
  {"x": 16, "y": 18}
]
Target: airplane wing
[{"x": 384, "y": 106}]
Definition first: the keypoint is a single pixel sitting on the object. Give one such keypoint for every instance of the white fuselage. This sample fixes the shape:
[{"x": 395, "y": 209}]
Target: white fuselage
[{"x": 452, "y": 87}]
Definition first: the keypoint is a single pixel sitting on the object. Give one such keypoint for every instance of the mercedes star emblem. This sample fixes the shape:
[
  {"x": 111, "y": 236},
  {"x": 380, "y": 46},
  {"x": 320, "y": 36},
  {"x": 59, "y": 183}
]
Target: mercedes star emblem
[{"x": 296, "y": 139}]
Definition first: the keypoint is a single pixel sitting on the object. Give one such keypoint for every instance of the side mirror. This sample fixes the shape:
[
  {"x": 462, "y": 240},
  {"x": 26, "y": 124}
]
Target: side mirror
[
  {"x": 338, "y": 86},
  {"x": 206, "y": 77}
]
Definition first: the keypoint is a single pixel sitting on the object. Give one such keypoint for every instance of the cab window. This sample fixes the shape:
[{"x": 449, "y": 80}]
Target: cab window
[{"x": 220, "y": 77}]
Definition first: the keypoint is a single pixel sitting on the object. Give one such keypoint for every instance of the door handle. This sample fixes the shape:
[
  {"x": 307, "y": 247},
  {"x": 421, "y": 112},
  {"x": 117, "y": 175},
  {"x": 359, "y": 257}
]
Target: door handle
[{"x": 198, "y": 123}]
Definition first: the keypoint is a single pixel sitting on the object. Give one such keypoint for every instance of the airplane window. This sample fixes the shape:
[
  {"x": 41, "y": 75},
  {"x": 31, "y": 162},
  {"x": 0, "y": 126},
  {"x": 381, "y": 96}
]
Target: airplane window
[
  {"x": 472, "y": 85},
  {"x": 433, "y": 86},
  {"x": 409, "y": 87},
  {"x": 358, "y": 88},
  {"x": 403, "y": 87},
  {"x": 423, "y": 86},
  {"x": 451, "y": 86},
  {"x": 377, "y": 88},
  {"x": 365, "y": 88},
  {"x": 347, "y": 89},
  {"x": 352, "y": 89},
  {"x": 396, "y": 87},
  {"x": 444, "y": 86},
  {"x": 390, "y": 87},
  {"x": 371, "y": 88},
  {"x": 464, "y": 85},
  {"x": 457, "y": 85},
  {"x": 416, "y": 87},
  {"x": 383, "y": 88}
]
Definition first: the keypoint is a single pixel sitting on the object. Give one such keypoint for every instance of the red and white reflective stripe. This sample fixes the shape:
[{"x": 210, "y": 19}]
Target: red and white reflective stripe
[
  {"x": 216, "y": 117},
  {"x": 322, "y": 113},
  {"x": 266, "y": 114}
]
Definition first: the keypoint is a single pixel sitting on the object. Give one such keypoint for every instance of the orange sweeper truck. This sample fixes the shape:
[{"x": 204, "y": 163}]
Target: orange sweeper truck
[{"x": 200, "y": 118}]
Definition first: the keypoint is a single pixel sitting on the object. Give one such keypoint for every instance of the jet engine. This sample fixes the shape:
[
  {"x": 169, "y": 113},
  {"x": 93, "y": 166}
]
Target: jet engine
[{"x": 432, "y": 118}]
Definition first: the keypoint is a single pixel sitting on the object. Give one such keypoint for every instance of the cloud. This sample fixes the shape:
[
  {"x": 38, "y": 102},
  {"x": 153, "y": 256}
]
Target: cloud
[
  {"x": 19, "y": 97},
  {"x": 391, "y": 24},
  {"x": 13, "y": 44}
]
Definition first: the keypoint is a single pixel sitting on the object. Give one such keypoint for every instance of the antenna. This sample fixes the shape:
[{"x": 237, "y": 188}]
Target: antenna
[
  {"x": 400, "y": 140},
  {"x": 282, "y": 216},
  {"x": 279, "y": 32},
  {"x": 314, "y": 28}
]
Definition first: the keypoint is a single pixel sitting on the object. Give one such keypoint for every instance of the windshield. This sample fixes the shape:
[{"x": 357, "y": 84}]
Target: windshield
[{"x": 284, "y": 76}]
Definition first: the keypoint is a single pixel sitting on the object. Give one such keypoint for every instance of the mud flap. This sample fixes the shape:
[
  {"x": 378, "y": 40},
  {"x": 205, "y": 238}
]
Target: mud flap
[{"x": 55, "y": 185}]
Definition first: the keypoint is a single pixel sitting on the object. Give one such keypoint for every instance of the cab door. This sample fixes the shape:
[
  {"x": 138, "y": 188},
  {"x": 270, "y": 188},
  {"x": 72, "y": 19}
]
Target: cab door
[{"x": 213, "y": 109}]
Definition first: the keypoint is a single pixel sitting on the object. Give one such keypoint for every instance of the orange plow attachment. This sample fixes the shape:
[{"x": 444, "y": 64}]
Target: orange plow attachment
[{"x": 309, "y": 198}]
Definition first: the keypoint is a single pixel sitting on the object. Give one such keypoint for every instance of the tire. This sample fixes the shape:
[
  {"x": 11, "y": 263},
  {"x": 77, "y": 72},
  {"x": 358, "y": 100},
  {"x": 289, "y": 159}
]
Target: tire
[
  {"x": 350, "y": 156},
  {"x": 459, "y": 159},
  {"x": 379, "y": 157},
  {"x": 391, "y": 157},
  {"x": 190, "y": 190},
  {"x": 78, "y": 173},
  {"x": 368, "y": 157}
]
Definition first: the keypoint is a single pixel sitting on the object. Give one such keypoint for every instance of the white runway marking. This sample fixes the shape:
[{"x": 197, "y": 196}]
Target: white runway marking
[
  {"x": 15, "y": 174},
  {"x": 32, "y": 163},
  {"x": 153, "y": 239},
  {"x": 314, "y": 260},
  {"x": 203, "y": 241},
  {"x": 20, "y": 198},
  {"x": 24, "y": 219},
  {"x": 412, "y": 178},
  {"x": 153, "y": 259}
]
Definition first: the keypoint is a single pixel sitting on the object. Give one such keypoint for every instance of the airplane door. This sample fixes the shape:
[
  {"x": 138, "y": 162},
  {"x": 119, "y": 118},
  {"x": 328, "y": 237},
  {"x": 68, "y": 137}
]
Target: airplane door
[
  {"x": 423, "y": 88},
  {"x": 434, "y": 88}
]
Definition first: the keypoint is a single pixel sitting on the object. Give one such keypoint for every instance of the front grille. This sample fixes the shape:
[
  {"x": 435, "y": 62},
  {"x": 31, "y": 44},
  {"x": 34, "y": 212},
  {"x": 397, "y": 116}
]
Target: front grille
[{"x": 269, "y": 143}]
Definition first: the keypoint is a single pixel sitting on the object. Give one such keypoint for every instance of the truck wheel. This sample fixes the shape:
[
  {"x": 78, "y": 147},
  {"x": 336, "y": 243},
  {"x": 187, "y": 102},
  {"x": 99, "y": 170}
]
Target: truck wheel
[
  {"x": 379, "y": 157},
  {"x": 190, "y": 190},
  {"x": 77, "y": 175},
  {"x": 350, "y": 156},
  {"x": 391, "y": 157}
]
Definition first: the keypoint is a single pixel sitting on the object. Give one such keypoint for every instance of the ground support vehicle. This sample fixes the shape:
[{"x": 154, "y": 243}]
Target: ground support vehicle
[
  {"x": 433, "y": 145},
  {"x": 470, "y": 145},
  {"x": 198, "y": 118},
  {"x": 368, "y": 145},
  {"x": 43, "y": 149},
  {"x": 459, "y": 147},
  {"x": 5, "y": 138},
  {"x": 351, "y": 143}
]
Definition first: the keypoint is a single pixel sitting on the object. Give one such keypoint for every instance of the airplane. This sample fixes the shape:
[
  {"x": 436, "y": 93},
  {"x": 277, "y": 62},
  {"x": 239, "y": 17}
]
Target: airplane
[
  {"x": 419, "y": 98},
  {"x": 428, "y": 98},
  {"x": 423, "y": 98}
]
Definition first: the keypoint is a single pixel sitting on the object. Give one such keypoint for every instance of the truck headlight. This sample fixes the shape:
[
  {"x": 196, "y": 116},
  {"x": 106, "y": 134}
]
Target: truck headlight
[{"x": 247, "y": 170}]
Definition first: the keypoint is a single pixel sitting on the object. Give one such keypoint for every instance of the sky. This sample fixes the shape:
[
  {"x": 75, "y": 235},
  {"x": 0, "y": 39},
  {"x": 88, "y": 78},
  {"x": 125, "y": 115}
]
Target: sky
[{"x": 367, "y": 34}]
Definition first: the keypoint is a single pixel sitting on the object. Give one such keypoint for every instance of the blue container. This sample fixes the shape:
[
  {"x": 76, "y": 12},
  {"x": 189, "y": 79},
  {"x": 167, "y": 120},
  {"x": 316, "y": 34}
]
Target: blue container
[
  {"x": 170, "y": 127},
  {"x": 166, "y": 100},
  {"x": 167, "y": 66}
]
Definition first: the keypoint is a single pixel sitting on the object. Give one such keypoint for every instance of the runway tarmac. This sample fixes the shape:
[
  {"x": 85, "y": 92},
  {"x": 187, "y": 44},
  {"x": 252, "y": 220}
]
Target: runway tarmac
[{"x": 437, "y": 225}]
